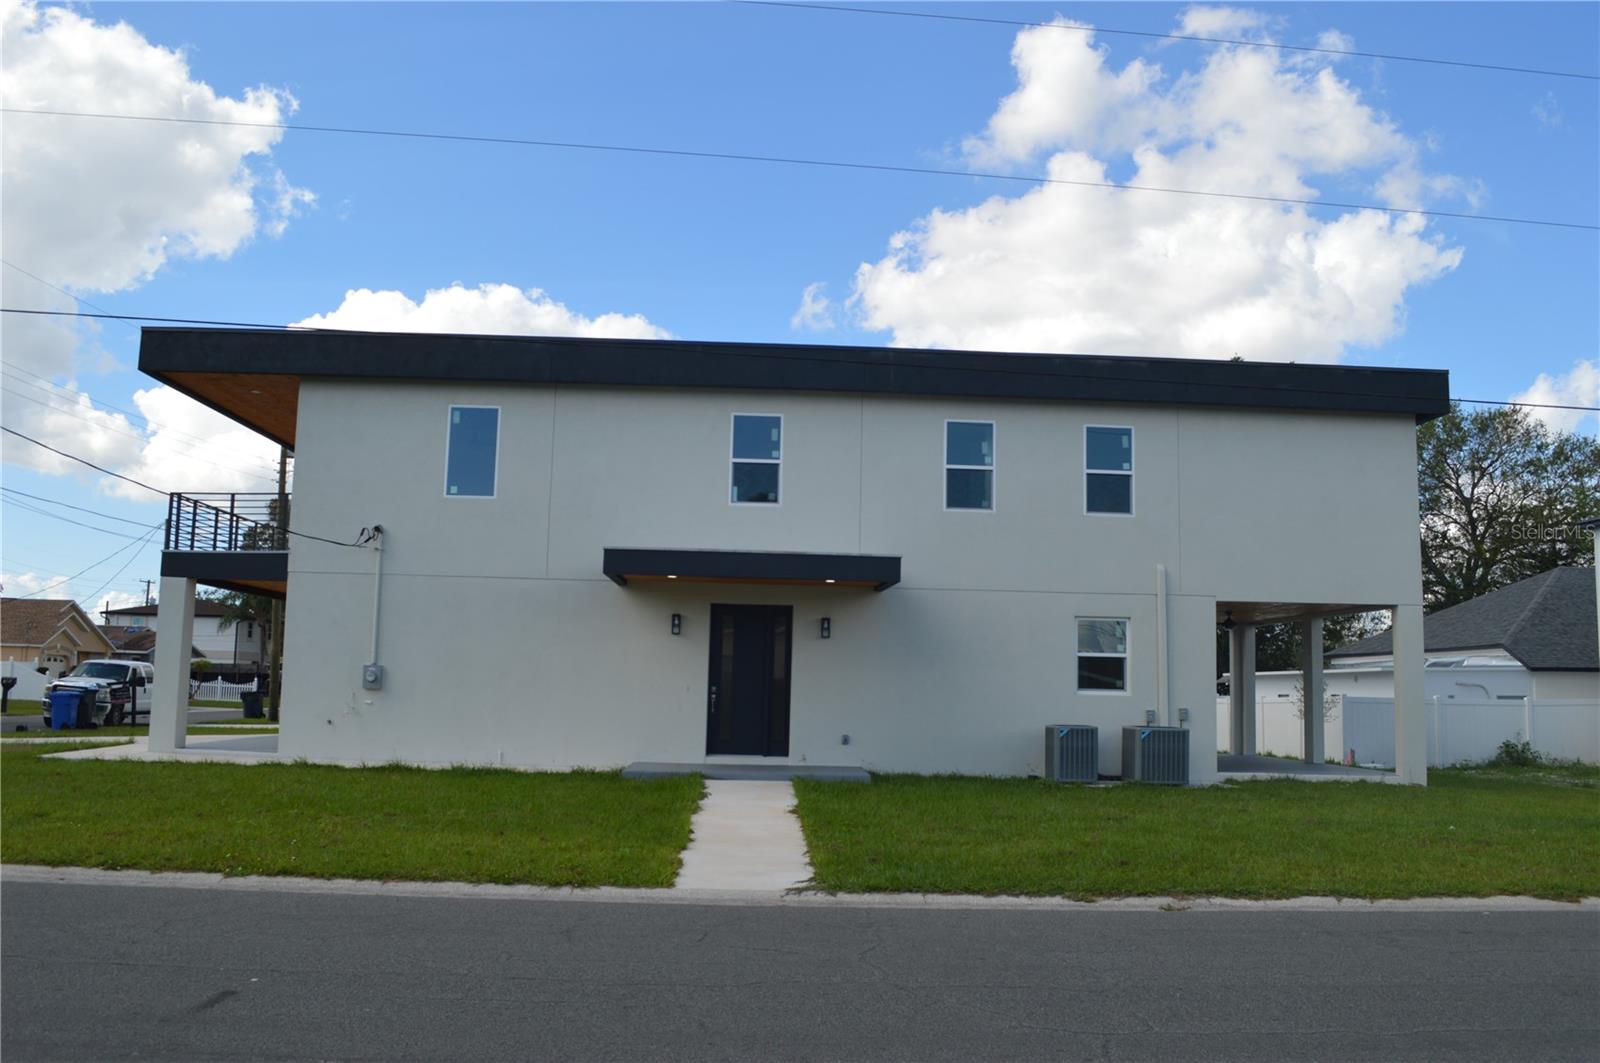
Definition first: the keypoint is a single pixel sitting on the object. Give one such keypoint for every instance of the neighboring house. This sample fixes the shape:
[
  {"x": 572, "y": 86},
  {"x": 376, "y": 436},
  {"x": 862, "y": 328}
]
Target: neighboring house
[
  {"x": 135, "y": 643},
  {"x": 50, "y": 633},
  {"x": 595, "y": 552},
  {"x": 1535, "y": 638},
  {"x": 1520, "y": 664},
  {"x": 235, "y": 647}
]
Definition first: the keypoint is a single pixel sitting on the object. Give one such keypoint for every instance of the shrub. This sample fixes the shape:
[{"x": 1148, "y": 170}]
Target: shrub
[{"x": 1517, "y": 754}]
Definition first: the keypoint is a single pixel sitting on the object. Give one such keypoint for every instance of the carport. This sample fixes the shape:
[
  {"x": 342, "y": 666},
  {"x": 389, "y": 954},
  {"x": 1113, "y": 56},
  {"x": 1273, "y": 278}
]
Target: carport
[{"x": 1240, "y": 620}]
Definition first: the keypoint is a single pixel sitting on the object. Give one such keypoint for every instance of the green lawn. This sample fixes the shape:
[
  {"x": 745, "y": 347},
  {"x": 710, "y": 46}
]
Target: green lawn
[
  {"x": 473, "y": 825},
  {"x": 1471, "y": 832},
  {"x": 132, "y": 732}
]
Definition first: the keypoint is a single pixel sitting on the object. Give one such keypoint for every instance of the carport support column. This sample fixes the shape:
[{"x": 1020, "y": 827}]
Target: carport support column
[
  {"x": 1242, "y": 689},
  {"x": 169, "y": 707},
  {"x": 1410, "y": 706},
  {"x": 1311, "y": 690}
]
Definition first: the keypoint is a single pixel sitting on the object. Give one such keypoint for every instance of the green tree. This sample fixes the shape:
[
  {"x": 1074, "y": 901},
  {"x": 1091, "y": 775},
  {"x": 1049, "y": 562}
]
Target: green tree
[{"x": 1500, "y": 495}]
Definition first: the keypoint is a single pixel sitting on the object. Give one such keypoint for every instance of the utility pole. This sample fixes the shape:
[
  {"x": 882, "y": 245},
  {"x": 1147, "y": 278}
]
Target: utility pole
[
  {"x": 275, "y": 668},
  {"x": 147, "y": 598}
]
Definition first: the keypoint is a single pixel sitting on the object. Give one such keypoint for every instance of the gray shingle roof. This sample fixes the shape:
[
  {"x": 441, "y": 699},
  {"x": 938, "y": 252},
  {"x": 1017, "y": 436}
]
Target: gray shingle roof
[{"x": 1546, "y": 621}]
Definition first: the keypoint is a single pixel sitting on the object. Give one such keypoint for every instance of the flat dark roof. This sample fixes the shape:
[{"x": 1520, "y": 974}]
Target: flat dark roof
[{"x": 252, "y": 375}]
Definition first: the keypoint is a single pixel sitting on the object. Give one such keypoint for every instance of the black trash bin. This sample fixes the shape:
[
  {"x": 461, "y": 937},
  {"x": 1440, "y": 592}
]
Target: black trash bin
[
  {"x": 86, "y": 702},
  {"x": 252, "y": 704}
]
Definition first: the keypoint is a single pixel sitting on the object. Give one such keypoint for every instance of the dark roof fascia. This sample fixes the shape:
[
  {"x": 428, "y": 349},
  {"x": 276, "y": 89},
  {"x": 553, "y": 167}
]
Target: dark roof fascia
[
  {"x": 881, "y": 571},
  {"x": 1420, "y": 393}
]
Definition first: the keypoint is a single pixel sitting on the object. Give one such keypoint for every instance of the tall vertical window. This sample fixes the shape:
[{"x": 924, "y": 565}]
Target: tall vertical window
[
  {"x": 757, "y": 458},
  {"x": 471, "y": 451},
  {"x": 1102, "y": 655},
  {"x": 1108, "y": 470},
  {"x": 969, "y": 465}
]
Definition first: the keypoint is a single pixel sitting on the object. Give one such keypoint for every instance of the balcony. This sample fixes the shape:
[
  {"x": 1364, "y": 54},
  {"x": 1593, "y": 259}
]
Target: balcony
[{"x": 236, "y": 541}]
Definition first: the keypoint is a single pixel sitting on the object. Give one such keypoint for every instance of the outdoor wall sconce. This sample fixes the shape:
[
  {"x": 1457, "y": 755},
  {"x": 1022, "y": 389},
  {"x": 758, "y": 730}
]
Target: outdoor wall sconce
[
  {"x": 827, "y": 627},
  {"x": 677, "y": 623}
]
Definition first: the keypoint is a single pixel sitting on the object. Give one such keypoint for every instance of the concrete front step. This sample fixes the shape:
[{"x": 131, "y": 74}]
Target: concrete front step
[{"x": 650, "y": 769}]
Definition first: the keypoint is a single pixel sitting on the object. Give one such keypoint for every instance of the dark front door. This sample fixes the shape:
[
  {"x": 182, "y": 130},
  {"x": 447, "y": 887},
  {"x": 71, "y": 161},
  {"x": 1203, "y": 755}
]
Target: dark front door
[{"x": 747, "y": 707}]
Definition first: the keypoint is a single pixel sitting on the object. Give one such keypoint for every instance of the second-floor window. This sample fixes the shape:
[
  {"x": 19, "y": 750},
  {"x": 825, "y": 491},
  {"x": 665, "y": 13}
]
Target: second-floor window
[
  {"x": 969, "y": 465},
  {"x": 1108, "y": 470},
  {"x": 471, "y": 451},
  {"x": 757, "y": 458}
]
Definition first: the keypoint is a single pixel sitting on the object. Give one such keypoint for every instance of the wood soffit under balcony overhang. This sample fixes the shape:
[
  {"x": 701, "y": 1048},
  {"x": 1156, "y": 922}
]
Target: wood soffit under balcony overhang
[{"x": 266, "y": 402}]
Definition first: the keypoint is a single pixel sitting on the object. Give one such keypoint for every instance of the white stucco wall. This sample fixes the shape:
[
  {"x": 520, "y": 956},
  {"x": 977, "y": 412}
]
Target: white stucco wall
[{"x": 503, "y": 641}]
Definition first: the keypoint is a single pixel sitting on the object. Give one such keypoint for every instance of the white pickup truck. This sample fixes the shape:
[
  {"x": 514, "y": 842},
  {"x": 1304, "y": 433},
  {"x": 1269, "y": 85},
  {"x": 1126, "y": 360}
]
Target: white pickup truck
[{"x": 118, "y": 686}]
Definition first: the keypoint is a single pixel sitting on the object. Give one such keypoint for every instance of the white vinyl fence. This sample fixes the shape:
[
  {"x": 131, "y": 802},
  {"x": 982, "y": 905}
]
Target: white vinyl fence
[
  {"x": 218, "y": 690},
  {"x": 1458, "y": 731}
]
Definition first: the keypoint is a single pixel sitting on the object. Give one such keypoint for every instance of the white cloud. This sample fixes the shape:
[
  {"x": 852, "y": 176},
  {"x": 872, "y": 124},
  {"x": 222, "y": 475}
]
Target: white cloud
[
  {"x": 98, "y": 205},
  {"x": 1061, "y": 268},
  {"x": 816, "y": 311},
  {"x": 26, "y": 584},
  {"x": 1335, "y": 41},
  {"x": 489, "y": 309},
  {"x": 1547, "y": 110},
  {"x": 1579, "y": 386},
  {"x": 233, "y": 457},
  {"x": 23, "y": 584},
  {"x": 1214, "y": 21},
  {"x": 1065, "y": 91}
]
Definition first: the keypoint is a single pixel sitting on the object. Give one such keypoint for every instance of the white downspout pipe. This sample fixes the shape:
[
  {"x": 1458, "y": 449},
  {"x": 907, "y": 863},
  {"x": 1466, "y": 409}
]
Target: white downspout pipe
[
  {"x": 377, "y": 586},
  {"x": 1163, "y": 712}
]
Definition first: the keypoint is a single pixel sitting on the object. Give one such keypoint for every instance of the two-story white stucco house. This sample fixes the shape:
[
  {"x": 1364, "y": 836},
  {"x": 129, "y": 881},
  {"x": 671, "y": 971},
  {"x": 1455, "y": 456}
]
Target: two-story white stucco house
[{"x": 579, "y": 552}]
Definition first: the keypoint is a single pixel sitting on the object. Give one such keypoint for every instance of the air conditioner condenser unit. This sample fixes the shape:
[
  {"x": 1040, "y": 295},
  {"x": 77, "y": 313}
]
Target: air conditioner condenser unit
[
  {"x": 1071, "y": 752},
  {"x": 1155, "y": 754}
]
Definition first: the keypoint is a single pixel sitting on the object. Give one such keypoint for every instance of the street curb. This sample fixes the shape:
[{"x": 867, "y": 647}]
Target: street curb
[{"x": 89, "y": 876}]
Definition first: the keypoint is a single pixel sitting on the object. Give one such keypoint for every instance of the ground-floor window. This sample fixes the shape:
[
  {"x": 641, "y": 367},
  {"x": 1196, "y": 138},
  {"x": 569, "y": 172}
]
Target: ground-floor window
[{"x": 1102, "y": 654}]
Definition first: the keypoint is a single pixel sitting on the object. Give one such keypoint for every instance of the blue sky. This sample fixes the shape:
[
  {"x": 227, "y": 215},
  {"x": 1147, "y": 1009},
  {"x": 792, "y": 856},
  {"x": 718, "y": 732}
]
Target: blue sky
[{"x": 722, "y": 250}]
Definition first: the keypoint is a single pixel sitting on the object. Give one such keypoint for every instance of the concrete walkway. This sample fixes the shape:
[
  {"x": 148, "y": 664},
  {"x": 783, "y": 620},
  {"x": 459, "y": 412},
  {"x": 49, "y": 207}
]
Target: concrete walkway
[
  {"x": 1244, "y": 767},
  {"x": 225, "y": 749},
  {"x": 746, "y": 837}
]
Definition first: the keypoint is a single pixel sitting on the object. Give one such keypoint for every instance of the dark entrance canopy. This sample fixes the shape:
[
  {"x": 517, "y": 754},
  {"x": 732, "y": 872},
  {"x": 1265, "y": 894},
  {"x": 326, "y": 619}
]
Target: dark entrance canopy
[{"x": 876, "y": 571}]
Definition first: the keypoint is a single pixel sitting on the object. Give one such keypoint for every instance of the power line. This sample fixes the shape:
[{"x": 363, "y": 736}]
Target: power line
[
  {"x": 147, "y": 487},
  {"x": 80, "y": 572},
  {"x": 728, "y": 156},
  {"x": 57, "y": 287},
  {"x": 26, "y": 508},
  {"x": 69, "y": 505},
  {"x": 1172, "y": 37},
  {"x": 92, "y": 595},
  {"x": 164, "y": 320},
  {"x": 186, "y": 452},
  {"x": 76, "y": 393},
  {"x": 81, "y": 461},
  {"x": 780, "y": 356}
]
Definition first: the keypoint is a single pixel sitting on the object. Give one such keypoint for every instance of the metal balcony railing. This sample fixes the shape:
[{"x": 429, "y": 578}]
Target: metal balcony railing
[{"x": 215, "y": 522}]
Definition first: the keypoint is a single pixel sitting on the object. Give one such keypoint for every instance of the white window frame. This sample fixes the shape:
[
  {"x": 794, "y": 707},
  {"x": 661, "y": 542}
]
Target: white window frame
[
  {"x": 1132, "y": 463},
  {"x": 499, "y": 419},
  {"x": 783, "y": 447},
  {"x": 993, "y": 468},
  {"x": 1126, "y": 655}
]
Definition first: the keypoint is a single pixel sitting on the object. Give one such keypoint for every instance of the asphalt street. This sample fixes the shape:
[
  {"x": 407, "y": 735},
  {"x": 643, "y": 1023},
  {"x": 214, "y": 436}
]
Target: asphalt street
[{"x": 99, "y": 972}]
